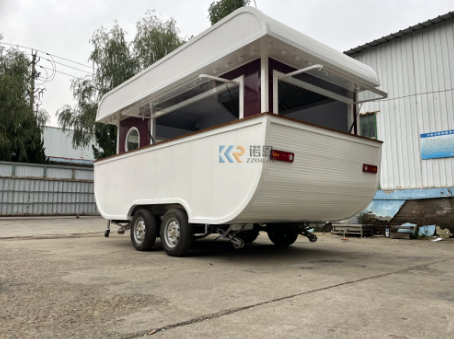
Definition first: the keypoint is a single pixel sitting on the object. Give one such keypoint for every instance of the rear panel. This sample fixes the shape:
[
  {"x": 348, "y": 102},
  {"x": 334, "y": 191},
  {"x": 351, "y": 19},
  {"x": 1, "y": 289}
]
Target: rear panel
[{"x": 325, "y": 182}]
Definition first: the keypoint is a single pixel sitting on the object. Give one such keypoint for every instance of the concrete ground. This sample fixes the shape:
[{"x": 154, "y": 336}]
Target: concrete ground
[{"x": 60, "y": 278}]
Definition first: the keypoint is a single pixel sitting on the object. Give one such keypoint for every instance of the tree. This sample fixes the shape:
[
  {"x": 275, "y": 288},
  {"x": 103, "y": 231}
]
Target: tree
[
  {"x": 221, "y": 8},
  {"x": 155, "y": 39},
  {"x": 20, "y": 127},
  {"x": 115, "y": 61},
  {"x": 114, "y": 64}
]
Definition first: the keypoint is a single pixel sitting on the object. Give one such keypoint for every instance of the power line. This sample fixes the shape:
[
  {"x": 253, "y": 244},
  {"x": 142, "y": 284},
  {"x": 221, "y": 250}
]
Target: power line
[
  {"x": 62, "y": 73},
  {"x": 55, "y": 56},
  {"x": 47, "y": 78},
  {"x": 53, "y": 61},
  {"x": 81, "y": 70},
  {"x": 54, "y": 68},
  {"x": 38, "y": 92},
  {"x": 51, "y": 55},
  {"x": 5, "y": 43},
  {"x": 69, "y": 60}
]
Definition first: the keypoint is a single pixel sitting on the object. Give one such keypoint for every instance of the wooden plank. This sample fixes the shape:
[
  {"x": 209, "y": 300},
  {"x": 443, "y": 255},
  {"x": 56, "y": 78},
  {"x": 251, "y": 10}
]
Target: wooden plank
[{"x": 353, "y": 229}]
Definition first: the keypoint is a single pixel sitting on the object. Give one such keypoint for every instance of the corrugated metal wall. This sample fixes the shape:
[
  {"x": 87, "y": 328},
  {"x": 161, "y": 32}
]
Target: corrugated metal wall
[
  {"x": 33, "y": 189},
  {"x": 419, "y": 63}
]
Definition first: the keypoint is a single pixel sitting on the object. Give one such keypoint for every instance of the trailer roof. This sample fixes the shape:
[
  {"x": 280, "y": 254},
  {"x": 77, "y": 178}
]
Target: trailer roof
[{"x": 237, "y": 39}]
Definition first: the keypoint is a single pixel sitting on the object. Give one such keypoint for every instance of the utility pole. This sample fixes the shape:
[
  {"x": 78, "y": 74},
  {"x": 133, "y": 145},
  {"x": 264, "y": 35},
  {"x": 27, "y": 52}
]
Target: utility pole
[{"x": 32, "y": 91}]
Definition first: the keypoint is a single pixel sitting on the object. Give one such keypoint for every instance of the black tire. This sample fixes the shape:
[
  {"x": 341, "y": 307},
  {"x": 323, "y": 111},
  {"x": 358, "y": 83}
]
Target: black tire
[
  {"x": 250, "y": 235},
  {"x": 282, "y": 235},
  {"x": 176, "y": 233},
  {"x": 145, "y": 220}
]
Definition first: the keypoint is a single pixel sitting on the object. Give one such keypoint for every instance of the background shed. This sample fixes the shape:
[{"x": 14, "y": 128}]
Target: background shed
[{"x": 416, "y": 68}]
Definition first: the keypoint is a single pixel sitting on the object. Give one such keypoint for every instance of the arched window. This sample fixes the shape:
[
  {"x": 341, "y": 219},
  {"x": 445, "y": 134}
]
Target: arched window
[{"x": 132, "y": 139}]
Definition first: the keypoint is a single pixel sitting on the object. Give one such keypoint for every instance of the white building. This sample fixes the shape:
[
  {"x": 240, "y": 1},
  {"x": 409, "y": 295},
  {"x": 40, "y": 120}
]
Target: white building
[
  {"x": 415, "y": 122},
  {"x": 59, "y": 148}
]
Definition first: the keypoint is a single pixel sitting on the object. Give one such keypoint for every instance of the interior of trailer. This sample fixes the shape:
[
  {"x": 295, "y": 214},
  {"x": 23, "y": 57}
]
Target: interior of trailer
[
  {"x": 216, "y": 108},
  {"x": 304, "y": 105},
  {"x": 319, "y": 95},
  {"x": 200, "y": 103},
  {"x": 315, "y": 94}
]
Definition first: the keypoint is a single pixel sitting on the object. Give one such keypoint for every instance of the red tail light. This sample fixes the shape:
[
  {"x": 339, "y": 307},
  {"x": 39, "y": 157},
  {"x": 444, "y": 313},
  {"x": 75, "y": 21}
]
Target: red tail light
[
  {"x": 282, "y": 156},
  {"x": 370, "y": 168}
]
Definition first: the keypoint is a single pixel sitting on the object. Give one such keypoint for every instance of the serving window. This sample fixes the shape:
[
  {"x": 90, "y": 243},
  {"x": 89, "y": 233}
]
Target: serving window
[
  {"x": 319, "y": 95},
  {"x": 324, "y": 81},
  {"x": 202, "y": 102}
]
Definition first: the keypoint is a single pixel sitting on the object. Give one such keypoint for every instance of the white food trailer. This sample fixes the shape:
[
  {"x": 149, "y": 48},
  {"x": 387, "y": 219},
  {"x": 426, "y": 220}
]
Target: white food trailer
[{"x": 249, "y": 126}]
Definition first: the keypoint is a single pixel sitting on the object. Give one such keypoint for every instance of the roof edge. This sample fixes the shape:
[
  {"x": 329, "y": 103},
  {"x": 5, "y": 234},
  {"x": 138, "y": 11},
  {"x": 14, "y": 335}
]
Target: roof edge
[
  {"x": 246, "y": 9},
  {"x": 401, "y": 33}
]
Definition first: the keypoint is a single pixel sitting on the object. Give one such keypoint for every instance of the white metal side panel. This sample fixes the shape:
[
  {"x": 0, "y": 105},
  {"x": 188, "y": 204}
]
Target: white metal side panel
[
  {"x": 234, "y": 182},
  {"x": 6, "y": 169},
  {"x": 417, "y": 71},
  {"x": 186, "y": 171},
  {"x": 25, "y": 196},
  {"x": 54, "y": 172},
  {"x": 202, "y": 183},
  {"x": 29, "y": 171},
  {"x": 83, "y": 175},
  {"x": 218, "y": 41},
  {"x": 325, "y": 181}
]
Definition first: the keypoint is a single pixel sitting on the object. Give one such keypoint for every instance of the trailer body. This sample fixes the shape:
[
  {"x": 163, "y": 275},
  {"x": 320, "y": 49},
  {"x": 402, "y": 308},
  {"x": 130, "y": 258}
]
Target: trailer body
[
  {"x": 250, "y": 126},
  {"x": 325, "y": 181}
]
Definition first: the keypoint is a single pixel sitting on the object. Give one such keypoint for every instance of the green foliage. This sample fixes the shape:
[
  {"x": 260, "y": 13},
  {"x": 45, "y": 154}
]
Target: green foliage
[
  {"x": 116, "y": 61},
  {"x": 20, "y": 128},
  {"x": 114, "y": 64},
  {"x": 105, "y": 135},
  {"x": 221, "y": 8},
  {"x": 155, "y": 39}
]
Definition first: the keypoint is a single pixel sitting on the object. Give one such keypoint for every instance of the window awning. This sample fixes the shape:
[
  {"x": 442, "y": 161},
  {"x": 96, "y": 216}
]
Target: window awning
[
  {"x": 323, "y": 80},
  {"x": 179, "y": 96}
]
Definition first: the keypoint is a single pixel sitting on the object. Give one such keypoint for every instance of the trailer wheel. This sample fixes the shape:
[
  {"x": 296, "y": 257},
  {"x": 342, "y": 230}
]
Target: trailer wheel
[
  {"x": 176, "y": 233},
  {"x": 282, "y": 235},
  {"x": 143, "y": 230},
  {"x": 250, "y": 235}
]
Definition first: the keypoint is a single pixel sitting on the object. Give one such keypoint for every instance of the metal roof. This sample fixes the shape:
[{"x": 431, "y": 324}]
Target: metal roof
[
  {"x": 71, "y": 161},
  {"x": 401, "y": 33}
]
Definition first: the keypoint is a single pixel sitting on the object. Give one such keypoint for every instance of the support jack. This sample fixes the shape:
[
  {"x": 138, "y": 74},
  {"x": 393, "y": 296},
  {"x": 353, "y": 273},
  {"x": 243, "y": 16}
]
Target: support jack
[
  {"x": 107, "y": 232},
  {"x": 311, "y": 236},
  {"x": 227, "y": 234}
]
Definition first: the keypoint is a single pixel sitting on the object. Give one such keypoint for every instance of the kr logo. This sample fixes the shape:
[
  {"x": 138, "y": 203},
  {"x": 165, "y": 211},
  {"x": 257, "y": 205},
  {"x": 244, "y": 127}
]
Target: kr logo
[{"x": 227, "y": 154}]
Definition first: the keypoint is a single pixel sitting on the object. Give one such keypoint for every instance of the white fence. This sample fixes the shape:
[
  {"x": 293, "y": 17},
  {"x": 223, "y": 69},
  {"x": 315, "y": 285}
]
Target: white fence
[{"x": 36, "y": 189}]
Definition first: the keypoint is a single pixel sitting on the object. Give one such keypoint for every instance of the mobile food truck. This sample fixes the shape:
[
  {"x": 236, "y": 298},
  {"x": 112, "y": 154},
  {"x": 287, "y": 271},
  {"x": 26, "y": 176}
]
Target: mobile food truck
[{"x": 250, "y": 126}]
